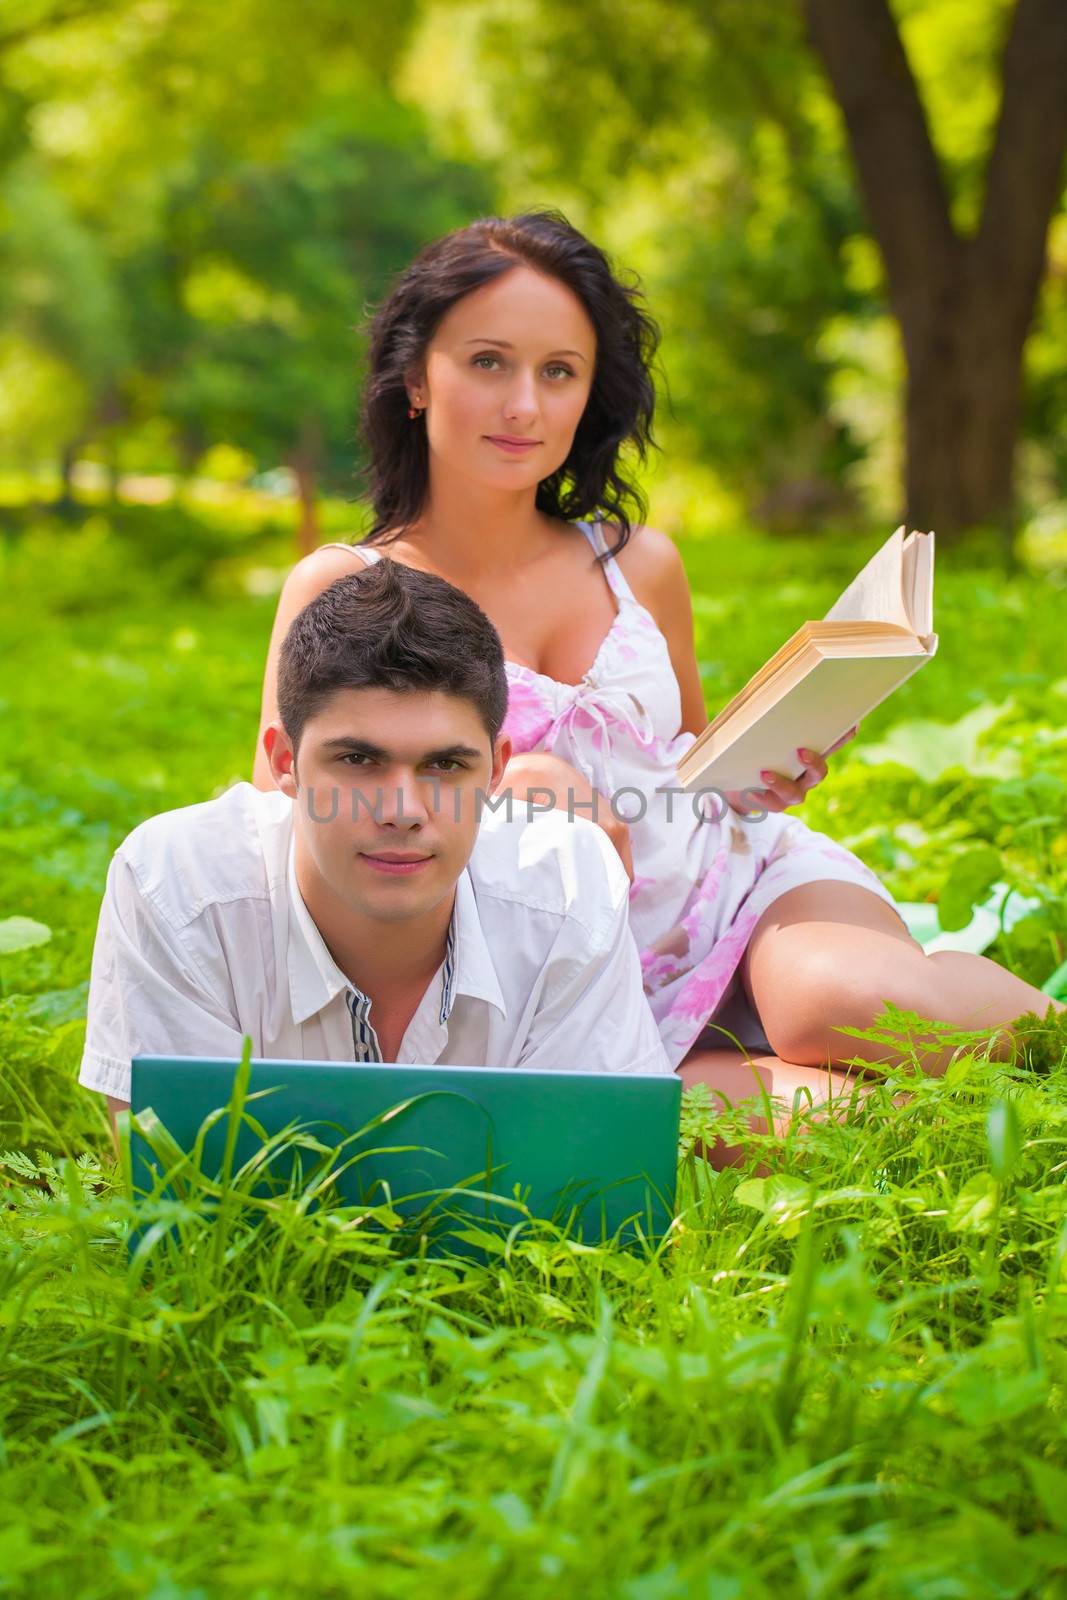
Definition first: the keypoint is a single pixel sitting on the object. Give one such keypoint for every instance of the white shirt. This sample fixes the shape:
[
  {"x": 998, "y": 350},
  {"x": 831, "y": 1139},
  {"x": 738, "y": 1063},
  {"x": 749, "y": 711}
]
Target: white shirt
[{"x": 204, "y": 937}]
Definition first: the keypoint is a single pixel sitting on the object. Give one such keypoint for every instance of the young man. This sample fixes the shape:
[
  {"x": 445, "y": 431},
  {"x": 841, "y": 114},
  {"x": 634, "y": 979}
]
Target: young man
[{"x": 373, "y": 907}]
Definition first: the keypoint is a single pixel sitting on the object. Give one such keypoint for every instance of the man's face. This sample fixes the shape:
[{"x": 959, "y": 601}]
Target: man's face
[{"x": 386, "y": 788}]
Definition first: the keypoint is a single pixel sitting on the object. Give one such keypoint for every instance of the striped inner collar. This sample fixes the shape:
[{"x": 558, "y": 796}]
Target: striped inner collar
[{"x": 364, "y": 1039}]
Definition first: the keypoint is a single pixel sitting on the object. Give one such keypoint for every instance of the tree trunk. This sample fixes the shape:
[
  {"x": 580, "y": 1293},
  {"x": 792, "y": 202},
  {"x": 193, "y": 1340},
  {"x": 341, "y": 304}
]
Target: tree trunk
[
  {"x": 110, "y": 414},
  {"x": 964, "y": 304},
  {"x": 963, "y": 408},
  {"x": 304, "y": 463},
  {"x": 67, "y": 505}
]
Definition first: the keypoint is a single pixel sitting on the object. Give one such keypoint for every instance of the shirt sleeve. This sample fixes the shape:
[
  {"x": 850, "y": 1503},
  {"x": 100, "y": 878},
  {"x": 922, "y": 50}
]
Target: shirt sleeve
[
  {"x": 593, "y": 1015},
  {"x": 147, "y": 995}
]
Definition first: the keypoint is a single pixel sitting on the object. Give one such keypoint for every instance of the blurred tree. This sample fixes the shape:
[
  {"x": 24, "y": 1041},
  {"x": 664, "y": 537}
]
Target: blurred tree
[
  {"x": 58, "y": 297},
  {"x": 964, "y": 301},
  {"x": 148, "y": 150},
  {"x": 26, "y": 20},
  {"x": 699, "y": 137},
  {"x": 274, "y": 262},
  {"x": 209, "y": 274}
]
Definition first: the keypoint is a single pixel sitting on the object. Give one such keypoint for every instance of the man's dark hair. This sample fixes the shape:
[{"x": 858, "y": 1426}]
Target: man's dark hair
[{"x": 391, "y": 627}]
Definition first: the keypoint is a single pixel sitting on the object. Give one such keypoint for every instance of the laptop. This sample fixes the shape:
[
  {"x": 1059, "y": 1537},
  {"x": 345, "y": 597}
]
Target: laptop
[{"x": 448, "y": 1150}]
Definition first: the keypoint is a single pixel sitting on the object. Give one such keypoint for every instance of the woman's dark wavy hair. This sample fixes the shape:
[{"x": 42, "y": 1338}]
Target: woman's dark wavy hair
[{"x": 591, "y": 481}]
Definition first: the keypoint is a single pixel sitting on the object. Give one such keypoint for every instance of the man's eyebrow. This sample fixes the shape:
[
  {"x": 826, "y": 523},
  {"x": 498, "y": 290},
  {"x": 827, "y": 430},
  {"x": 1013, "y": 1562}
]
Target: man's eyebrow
[
  {"x": 504, "y": 345},
  {"x": 346, "y": 742},
  {"x": 364, "y": 747},
  {"x": 452, "y": 752}
]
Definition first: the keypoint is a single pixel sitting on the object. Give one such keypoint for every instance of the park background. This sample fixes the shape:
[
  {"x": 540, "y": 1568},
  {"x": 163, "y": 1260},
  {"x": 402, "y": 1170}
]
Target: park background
[{"x": 848, "y": 217}]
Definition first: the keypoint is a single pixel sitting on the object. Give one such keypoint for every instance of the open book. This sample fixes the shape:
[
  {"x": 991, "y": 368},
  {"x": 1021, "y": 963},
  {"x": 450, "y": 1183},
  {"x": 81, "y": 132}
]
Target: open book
[{"x": 828, "y": 676}]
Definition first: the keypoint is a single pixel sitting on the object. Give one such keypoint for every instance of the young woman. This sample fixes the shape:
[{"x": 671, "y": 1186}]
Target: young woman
[{"x": 509, "y": 367}]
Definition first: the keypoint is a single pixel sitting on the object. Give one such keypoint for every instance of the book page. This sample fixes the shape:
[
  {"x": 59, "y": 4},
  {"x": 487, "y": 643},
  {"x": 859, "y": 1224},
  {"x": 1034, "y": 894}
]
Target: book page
[
  {"x": 876, "y": 594},
  {"x": 919, "y": 581}
]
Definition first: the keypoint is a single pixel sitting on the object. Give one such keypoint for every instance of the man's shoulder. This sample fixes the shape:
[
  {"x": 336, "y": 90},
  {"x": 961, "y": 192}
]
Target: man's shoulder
[
  {"x": 554, "y": 863},
  {"x": 218, "y": 851}
]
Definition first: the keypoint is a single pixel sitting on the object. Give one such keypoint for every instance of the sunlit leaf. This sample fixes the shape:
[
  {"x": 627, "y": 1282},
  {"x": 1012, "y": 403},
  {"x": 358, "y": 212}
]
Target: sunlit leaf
[
  {"x": 932, "y": 750},
  {"x": 1005, "y": 1139},
  {"x": 975, "y": 1204},
  {"x": 973, "y": 875},
  {"x": 21, "y": 933}
]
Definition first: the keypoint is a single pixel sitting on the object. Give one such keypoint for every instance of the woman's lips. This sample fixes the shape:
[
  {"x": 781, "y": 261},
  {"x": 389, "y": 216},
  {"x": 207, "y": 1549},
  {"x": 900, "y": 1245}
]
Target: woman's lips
[
  {"x": 514, "y": 447},
  {"x": 397, "y": 868}
]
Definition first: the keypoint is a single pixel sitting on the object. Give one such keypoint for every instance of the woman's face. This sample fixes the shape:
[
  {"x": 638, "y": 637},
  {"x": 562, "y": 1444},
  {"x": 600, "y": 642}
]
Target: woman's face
[{"x": 506, "y": 379}]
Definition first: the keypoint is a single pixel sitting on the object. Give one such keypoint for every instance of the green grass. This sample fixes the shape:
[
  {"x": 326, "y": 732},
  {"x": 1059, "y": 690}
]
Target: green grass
[{"x": 844, "y": 1372}]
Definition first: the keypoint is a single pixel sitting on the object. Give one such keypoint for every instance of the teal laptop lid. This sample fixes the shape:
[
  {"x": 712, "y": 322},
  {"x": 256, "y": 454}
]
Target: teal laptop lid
[{"x": 596, "y": 1152}]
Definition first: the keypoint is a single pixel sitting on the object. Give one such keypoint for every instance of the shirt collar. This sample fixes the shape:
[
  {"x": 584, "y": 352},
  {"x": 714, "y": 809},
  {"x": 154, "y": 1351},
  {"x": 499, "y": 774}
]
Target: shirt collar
[
  {"x": 315, "y": 978},
  {"x": 475, "y": 973}
]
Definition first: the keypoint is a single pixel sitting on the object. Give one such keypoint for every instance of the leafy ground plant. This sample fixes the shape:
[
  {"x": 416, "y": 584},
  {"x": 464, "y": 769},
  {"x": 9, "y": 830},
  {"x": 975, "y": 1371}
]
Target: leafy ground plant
[
  {"x": 844, "y": 1375},
  {"x": 843, "y": 1370}
]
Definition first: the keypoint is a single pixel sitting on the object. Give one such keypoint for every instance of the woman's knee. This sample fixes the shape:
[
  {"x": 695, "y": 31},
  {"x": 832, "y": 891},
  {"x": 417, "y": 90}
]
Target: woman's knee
[
  {"x": 805, "y": 1002},
  {"x": 826, "y": 956}
]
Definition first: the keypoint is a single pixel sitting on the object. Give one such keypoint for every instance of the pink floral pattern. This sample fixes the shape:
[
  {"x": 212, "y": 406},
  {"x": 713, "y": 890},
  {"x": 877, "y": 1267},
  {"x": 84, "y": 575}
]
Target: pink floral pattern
[
  {"x": 700, "y": 885},
  {"x": 529, "y": 718}
]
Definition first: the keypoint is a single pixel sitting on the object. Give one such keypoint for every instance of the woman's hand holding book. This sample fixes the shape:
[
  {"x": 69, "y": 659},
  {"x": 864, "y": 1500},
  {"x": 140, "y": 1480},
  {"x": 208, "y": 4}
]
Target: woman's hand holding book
[{"x": 782, "y": 792}]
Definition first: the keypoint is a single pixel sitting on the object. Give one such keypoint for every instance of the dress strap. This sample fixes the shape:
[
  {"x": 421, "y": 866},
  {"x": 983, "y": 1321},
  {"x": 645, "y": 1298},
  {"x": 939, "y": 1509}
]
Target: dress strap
[
  {"x": 594, "y": 532},
  {"x": 367, "y": 553}
]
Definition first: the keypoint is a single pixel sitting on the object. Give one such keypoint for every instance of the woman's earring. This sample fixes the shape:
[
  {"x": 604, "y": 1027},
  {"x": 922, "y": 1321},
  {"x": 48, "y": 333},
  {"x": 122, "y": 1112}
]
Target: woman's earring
[{"x": 415, "y": 411}]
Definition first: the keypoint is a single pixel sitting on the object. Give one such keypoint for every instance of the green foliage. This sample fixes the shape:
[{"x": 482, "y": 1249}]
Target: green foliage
[
  {"x": 207, "y": 278},
  {"x": 973, "y": 875},
  {"x": 847, "y": 1368},
  {"x": 274, "y": 262},
  {"x": 841, "y": 1373},
  {"x": 740, "y": 211},
  {"x": 197, "y": 203}
]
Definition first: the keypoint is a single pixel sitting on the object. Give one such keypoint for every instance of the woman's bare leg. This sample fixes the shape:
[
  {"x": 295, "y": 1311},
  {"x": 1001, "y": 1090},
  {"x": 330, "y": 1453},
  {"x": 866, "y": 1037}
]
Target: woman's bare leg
[
  {"x": 829, "y": 954},
  {"x": 732, "y": 1076}
]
